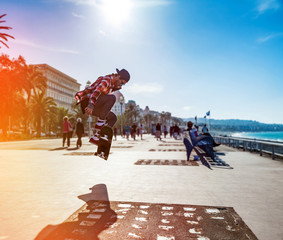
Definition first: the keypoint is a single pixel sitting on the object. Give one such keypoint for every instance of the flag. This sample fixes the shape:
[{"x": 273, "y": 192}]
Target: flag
[{"x": 208, "y": 113}]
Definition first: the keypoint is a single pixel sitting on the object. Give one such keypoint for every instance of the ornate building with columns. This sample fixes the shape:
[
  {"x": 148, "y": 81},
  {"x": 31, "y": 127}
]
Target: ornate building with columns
[
  {"x": 119, "y": 105},
  {"x": 60, "y": 86}
]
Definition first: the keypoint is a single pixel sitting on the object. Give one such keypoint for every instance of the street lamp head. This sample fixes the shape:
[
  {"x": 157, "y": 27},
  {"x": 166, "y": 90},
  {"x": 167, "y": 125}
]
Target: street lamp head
[{"x": 121, "y": 99}]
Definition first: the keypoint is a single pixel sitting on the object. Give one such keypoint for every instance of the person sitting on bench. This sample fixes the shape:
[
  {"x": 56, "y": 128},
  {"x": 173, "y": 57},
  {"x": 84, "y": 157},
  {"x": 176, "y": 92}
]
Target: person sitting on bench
[{"x": 197, "y": 138}]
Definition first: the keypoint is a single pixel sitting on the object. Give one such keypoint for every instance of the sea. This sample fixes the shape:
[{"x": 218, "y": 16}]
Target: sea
[{"x": 272, "y": 136}]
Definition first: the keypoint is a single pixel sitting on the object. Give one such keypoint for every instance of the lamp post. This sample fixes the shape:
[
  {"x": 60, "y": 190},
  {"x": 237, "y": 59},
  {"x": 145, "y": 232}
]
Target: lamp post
[
  {"x": 89, "y": 120},
  {"x": 121, "y": 100}
]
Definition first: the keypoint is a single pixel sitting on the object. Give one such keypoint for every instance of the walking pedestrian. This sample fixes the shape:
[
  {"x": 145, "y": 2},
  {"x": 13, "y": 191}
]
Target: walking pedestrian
[
  {"x": 127, "y": 131},
  {"x": 67, "y": 131},
  {"x": 134, "y": 131},
  {"x": 79, "y": 131},
  {"x": 141, "y": 131},
  {"x": 97, "y": 100},
  {"x": 165, "y": 131},
  {"x": 171, "y": 130},
  {"x": 176, "y": 132},
  {"x": 158, "y": 131}
]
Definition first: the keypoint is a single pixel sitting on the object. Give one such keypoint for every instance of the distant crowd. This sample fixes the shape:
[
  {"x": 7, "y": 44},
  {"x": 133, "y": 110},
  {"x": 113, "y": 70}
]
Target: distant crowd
[{"x": 133, "y": 131}]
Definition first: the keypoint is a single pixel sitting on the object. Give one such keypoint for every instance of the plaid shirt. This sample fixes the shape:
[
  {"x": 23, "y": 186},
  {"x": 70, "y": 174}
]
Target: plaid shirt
[{"x": 102, "y": 85}]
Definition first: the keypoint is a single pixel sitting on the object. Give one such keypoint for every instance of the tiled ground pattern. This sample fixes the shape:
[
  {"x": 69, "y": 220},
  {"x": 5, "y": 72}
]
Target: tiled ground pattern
[
  {"x": 167, "y": 150},
  {"x": 80, "y": 154},
  {"x": 167, "y": 145},
  {"x": 166, "y": 162},
  {"x": 147, "y": 221},
  {"x": 207, "y": 161}
]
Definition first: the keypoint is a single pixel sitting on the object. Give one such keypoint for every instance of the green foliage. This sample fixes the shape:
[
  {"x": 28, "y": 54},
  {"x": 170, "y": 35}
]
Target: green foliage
[
  {"x": 4, "y": 36},
  {"x": 18, "y": 82},
  {"x": 43, "y": 108}
]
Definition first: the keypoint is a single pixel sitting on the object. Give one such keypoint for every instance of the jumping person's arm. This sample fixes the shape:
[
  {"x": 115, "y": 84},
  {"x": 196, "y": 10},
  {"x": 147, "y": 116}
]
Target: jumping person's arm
[{"x": 103, "y": 87}]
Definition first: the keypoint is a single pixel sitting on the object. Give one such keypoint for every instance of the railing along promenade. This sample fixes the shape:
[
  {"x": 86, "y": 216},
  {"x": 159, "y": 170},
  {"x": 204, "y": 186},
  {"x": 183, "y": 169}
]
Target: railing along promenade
[{"x": 273, "y": 148}]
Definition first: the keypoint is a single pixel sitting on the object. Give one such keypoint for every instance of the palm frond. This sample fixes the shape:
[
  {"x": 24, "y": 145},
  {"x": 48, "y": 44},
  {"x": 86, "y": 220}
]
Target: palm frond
[
  {"x": 4, "y": 27},
  {"x": 4, "y": 35},
  {"x": 4, "y": 44}
]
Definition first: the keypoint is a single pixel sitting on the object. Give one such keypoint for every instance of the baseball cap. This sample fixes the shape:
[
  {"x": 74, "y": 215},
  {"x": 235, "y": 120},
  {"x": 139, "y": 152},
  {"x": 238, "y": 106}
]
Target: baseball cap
[{"x": 124, "y": 74}]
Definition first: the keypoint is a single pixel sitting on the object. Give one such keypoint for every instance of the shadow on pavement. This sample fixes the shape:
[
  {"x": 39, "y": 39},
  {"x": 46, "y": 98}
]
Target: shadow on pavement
[
  {"x": 72, "y": 149},
  {"x": 216, "y": 163},
  {"x": 87, "y": 222},
  {"x": 59, "y": 148}
]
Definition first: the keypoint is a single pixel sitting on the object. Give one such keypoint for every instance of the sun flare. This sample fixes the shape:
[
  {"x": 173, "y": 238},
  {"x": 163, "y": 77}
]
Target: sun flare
[{"x": 116, "y": 12}]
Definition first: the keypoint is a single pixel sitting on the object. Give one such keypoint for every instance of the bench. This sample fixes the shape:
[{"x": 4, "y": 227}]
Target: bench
[{"x": 202, "y": 148}]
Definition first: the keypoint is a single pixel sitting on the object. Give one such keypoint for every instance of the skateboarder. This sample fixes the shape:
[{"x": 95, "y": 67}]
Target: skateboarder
[{"x": 97, "y": 100}]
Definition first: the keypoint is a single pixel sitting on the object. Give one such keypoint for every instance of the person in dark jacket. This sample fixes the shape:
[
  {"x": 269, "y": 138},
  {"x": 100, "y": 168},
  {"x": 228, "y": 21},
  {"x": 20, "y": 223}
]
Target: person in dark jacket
[
  {"x": 158, "y": 131},
  {"x": 79, "y": 131},
  {"x": 98, "y": 100}
]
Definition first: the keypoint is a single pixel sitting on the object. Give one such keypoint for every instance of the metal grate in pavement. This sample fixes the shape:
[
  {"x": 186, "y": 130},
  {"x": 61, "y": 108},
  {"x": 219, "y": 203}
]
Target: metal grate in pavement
[
  {"x": 171, "y": 145},
  {"x": 81, "y": 153},
  {"x": 121, "y": 146},
  {"x": 166, "y": 162},
  {"x": 151, "y": 221},
  {"x": 167, "y": 150}
]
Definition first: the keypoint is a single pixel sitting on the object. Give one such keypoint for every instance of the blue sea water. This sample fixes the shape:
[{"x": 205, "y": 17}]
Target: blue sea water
[{"x": 274, "y": 136}]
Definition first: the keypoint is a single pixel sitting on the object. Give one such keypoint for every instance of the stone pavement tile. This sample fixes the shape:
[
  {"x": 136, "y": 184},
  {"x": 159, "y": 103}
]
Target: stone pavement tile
[
  {"x": 39, "y": 188},
  {"x": 139, "y": 220}
]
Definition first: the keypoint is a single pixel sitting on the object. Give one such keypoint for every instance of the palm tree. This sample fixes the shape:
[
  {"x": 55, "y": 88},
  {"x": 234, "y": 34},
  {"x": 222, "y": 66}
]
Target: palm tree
[
  {"x": 163, "y": 117},
  {"x": 17, "y": 78},
  {"x": 41, "y": 106},
  {"x": 4, "y": 36},
  {"x": 51, "y": 120},
  {"x": 32, "y": 79},
  {"x": 136, "y": 112},
  {"x": 167, "y": 117},
  {"x": 76, "y": 109},
  {"x": 11, "y": 84},
  {"x": 129, "y": 114}
]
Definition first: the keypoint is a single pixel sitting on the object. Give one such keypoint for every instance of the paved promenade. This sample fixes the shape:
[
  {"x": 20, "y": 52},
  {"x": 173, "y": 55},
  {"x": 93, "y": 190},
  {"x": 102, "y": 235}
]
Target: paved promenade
[{"x": 40, "y": 184}]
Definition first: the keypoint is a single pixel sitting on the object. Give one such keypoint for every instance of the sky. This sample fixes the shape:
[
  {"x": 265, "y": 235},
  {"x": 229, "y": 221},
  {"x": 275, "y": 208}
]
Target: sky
[{"x": 186, "y": 57}]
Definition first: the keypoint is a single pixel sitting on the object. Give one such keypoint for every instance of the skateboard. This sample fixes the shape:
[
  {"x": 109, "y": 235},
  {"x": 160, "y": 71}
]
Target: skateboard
[{"x": 104, "y": 143}]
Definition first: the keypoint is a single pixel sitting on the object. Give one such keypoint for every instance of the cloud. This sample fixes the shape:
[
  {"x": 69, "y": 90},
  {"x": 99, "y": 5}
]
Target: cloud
[
  {"x": 151, "y": 3},
  {"x": 269, "y": 37},
  {"x": 35, "y": 45},
  {"x": 137, "y": 88},
  {"x": 265, "y": 5},
  {"x": 136, "y": 3},
  {"x": 187, "y": 108},
  {"x": 102, "y": 32},
  {"x": 83, "y": 2},
  {"x": 78, "y": 15}
]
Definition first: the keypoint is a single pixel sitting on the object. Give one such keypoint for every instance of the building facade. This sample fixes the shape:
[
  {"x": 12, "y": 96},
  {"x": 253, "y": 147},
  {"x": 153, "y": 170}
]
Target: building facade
[
  {"x": 61, "y": 87},
  {"x": 119, "y": 107}
]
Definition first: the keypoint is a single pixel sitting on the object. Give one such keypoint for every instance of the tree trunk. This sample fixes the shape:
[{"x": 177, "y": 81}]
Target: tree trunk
[{"x": 38, "y": 127}]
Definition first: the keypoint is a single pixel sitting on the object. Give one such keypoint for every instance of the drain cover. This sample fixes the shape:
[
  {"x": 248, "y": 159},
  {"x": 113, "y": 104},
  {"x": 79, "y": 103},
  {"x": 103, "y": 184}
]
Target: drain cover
[
  {"x": 167, "y": 150},
  {"x": 148, "y": 221},
  {"x": 81, "y": 153},
  {"x": 166, "y": 162}
]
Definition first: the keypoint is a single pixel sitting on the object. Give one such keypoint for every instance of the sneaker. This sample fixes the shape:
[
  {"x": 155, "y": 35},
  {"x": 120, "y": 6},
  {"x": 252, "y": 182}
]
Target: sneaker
[
  {"x": 94, "y": 140},
  {"x": 104, "y": 138}
]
